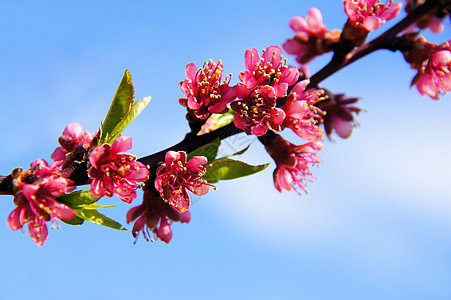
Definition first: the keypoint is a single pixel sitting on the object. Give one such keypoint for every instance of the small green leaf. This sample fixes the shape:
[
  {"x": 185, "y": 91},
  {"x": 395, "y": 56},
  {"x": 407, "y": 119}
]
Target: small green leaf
[
  {"x": 94, "y": 216},
  {"x": 75, "y": 221},
  {"x": 78, "y": 198},
  {"x": 94, "y": 206},
  {"x": 135, "y": 110},
  {"x": 221, "y": 120},
  {"x": 120, "y": 106},
  {"x": 226, "y": 169},
  {"x": 209, "y": 150}
]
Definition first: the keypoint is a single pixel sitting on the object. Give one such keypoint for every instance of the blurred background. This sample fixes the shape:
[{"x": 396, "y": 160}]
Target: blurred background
[{"x": 375, "y": 225}]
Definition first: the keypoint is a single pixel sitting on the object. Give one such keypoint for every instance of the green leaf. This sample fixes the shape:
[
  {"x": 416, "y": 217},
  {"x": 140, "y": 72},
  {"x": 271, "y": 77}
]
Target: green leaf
[
  {"x": 120, "y": 106},
  {"x": 135, "y": 110},
  {"x": 78, "y": 198},
  {"x": 221, "y": 120},
  {"x": 75, "y": 221},
  {"x": 226, "y": 169},
  {"x": 209, "y": 150},
  {"x": 94, "y": 216},
  {"x": 94, "y": 206}
]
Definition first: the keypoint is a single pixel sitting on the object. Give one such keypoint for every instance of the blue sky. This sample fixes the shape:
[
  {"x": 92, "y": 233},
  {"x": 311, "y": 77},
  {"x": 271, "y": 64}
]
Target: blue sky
[{"x": 375, "y": 224}]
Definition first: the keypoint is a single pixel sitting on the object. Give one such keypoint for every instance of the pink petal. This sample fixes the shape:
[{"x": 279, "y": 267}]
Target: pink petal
[
  {"x": 290, "y": 75},
  {"x": 292, "y": 47},
  {"x": 201, "y": 190},
  {"x": 248, "y": 79},
  {"x": 38, "y": 231},
  {"x": 316, "y": 17},
  {"x": 278, "y": 115},
  {"x": 126, "y": 194},
  {"x": 193, "y": 104},
  {"x": 239, "y": 121},
  {"x": 281, "y": 89},
  {"x": 392, "y": 12},
  {"x": 242, "y": 91},
  {"x": 63, "y": 212},
  {"x": 141, "y": 174},
  {"x": 95, "y": 155},
  {"x": 282, "y": 179},
  {"x": 259, "y": 129},
  {"x": 218, "y": 107},
  {"x": 342, "y": 127},
  {"x": 171, "y": 156},
  {"x": 14, "y": 220},
  {"x": 185, "y": 217},
  {"x": 164, "y": 231},
  {"x": 29, "y": 190},
  {"x": 267, "y": 92},
  {"x": 197, "y": 161},
  {"x": 181, "y": 203},
  {"x": 73, "y": 130},
  {"x": 372, "y": 23},
  {"x": 121, "y": 144},
  {"x": 191, "y": 71},
  {"x": 298, "y": 24},
  {"x": 251, "y": 58},
  {"x": 97, "y": 188},
  {"x": 133, "y": 213},
  {"x": 56, "y": 187},
  {"x": 273, "y": 54},
  {"x": 138, "y": 226},
  {"x": 58, "y": 154},
  {"x": 300, "y": 87}
]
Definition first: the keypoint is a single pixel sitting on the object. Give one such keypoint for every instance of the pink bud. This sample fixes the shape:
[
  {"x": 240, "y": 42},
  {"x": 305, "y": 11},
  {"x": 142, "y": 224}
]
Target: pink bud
[
  {"x": 185, "y": 217},
  {"x": 164, "y": 231}
]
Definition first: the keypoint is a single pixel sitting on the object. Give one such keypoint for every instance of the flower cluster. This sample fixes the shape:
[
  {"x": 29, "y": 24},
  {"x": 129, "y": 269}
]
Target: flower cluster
[
  {"x": 35, "y": 193},
  {"x": 312, "y": 38},
  {"x": 176, "y": 175},
  {"x": 114, "y": 172},
  {"x": 433, "y": 63},
  {"x": 264, "y": 80},
  {"x": 205, "y": 94},
  {"x": 269, "y": 70},
  {"x": 303, "y": 117},
  {"x": 370, "y": 14},
  {"x": 257, "y": 112},
  {"x": 293, "y": 162},
  {"x": 339, "y": 115},
  {"x": 270, "y": 97},
  {"x": 433, "y": 21}
]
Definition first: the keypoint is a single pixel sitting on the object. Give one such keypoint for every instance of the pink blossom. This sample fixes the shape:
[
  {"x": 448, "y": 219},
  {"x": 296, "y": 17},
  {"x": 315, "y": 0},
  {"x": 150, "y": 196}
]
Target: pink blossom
[
  {"x": 35, "y": 193},
  {"x": 339, "y": 115},
  {"x": 116, "y": 173},
  {"x": 371, "y": 14},
  {"x": 258, "y": 112},
  {"x": 155, "y": 215},
  {"x": 293, "y": 163},
  {"x": 303, "y": 117},
  {"x": 434, "y": 73},
  {"x": 268, "y": 70},
  {"x": 175, "y": 176},
  {"x": 204, "y": 91},
  {"x": 431, "y": 21},
  {"x": 72, "y": 137},
  {"x": 312, "y": 37}
]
